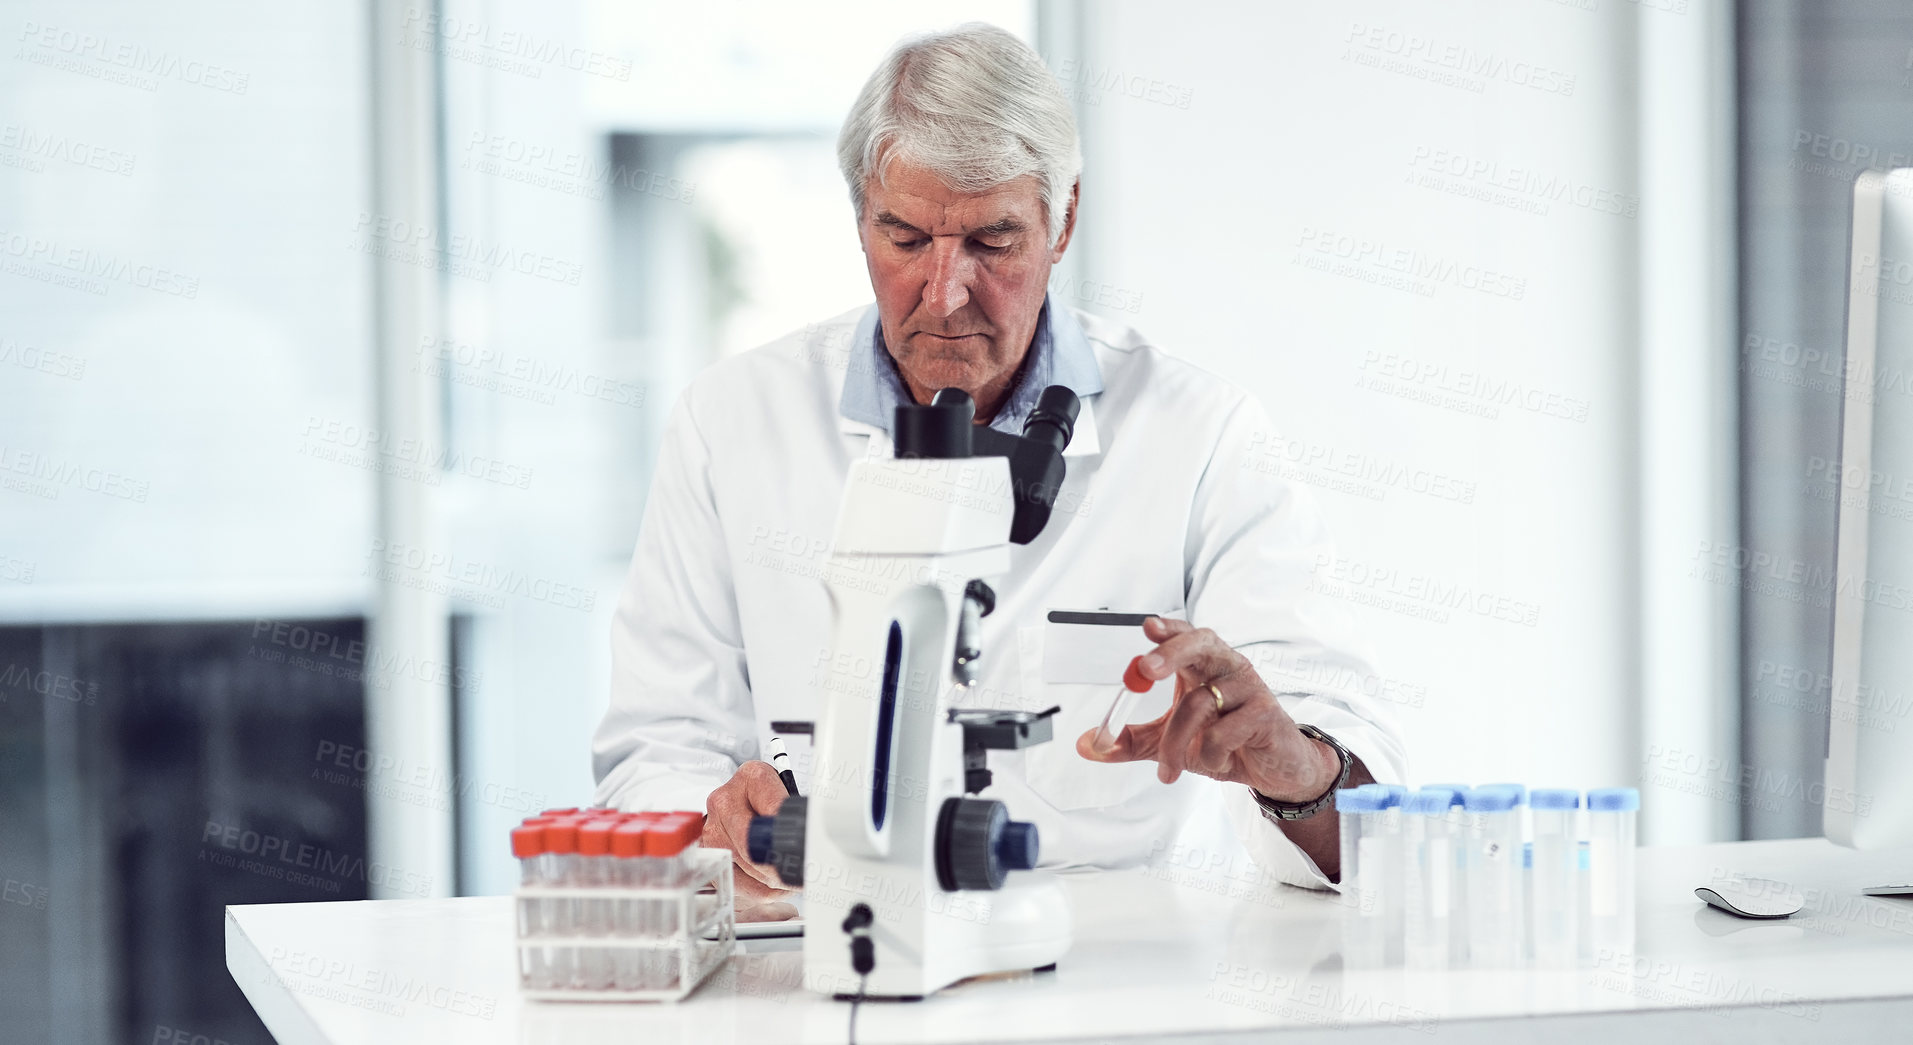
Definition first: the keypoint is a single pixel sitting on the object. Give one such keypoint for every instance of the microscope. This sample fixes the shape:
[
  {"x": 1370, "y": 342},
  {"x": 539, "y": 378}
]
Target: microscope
[{"x": 933, "y": 885}]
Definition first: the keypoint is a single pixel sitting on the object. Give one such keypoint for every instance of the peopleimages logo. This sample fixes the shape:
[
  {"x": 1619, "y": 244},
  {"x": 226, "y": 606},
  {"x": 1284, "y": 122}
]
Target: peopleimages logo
[
  {"x": 33, "y": 147},
  {"x": 121, "y": 61},
  {"x": 301, "y": 863},
  {"x": 88, "y": 267},
  {"x": 470, "y": 39}
]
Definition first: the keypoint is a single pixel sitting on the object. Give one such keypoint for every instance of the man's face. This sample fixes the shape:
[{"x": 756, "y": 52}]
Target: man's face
[{"x": 959, "y": 279}]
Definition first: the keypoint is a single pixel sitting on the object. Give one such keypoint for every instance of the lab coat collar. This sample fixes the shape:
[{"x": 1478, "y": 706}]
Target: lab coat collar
[{"x": 1063, "y": 356}]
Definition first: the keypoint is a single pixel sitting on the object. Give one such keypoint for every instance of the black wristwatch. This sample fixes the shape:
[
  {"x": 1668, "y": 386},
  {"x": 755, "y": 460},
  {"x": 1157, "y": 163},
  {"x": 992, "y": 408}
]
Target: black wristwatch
[{"x": 1280, "y": 811}]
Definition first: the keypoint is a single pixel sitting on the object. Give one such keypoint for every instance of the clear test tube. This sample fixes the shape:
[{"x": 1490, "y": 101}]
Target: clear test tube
[
  {"x": 1521, "y": 831},
  {"x": 1458, "y": 823},
  {"x": 672, "y": 835},
  {"x": 1392, "y": 843},
  {"x": 544, "y": 860},
  {"x": 561, "y": 856},
  {"x": 665, "y": 842},
  {"x": 627, "y": 848},
  {"x": 1610, "y": 874},
  {"x": 1494, "y": 878},
  {"x": 1554, "y": 881},
  {"x": 1458, "y": 832},
  {"x": 1583, "y": 931},
  {"x": 1520, "y": 804},
  {"x": 528, "y": 845},
  {"x": 1121, "y": 706},
  {"x": 1428, "y": 903},
  {"x": 1364, "y": 905},
  {"x": 594, "y": 912},
  {"x": 1526, "y": 929}
]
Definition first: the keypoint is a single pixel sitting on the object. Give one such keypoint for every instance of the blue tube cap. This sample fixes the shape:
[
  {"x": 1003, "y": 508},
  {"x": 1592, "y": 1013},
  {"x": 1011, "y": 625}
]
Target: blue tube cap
[
  {"x": 1431, "y": 801},
  {"x": 1554, "y": 799},
  {"x": 1489, "y": 800},
  {"x": 1614, "y": 800},
  {"x": 1520, "y": 791},
  {"x": 1392, "y": 794},
  {"x": 1359, "y": 800}
]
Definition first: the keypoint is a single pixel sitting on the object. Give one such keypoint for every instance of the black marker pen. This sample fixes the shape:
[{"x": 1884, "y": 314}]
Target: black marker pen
[{"x": 780, "y": 760}]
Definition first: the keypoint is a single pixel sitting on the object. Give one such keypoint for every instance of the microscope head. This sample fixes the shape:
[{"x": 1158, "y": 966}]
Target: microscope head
[{"x": 947, "y": 428}]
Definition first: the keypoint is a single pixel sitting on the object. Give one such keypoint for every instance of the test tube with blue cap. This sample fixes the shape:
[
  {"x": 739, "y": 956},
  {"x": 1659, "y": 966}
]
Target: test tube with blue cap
[
  {"x": 1429, "y": 906},
  {"x": 1458, "y": 922},
  {"x": 1522, "y": 914},
  {"x": 1495, "y": 896},
  {"x": 1521, "y": 800},
  {"x": 1555, "y": 877},
  {"x": 1610, "y": 874},
  {"x": 1366, "y": 860},
  {"x": 1395, "y": 869}
]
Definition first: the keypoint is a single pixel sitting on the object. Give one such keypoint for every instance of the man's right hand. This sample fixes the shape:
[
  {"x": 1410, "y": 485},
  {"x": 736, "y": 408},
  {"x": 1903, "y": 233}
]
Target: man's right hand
[{"x": 754, "y": 790}]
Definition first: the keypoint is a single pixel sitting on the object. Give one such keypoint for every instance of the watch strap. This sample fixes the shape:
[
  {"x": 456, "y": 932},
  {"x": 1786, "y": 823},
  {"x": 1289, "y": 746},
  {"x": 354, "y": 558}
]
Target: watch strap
[{"x": 1289, "y": 811}]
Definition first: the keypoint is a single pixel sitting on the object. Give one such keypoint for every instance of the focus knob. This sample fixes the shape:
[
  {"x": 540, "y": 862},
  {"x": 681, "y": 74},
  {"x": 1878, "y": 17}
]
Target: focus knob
[
  {"x": 1017, "y": 848},
  {"x": 977, "y": 844},
  {"x": 779, "y": 840}
]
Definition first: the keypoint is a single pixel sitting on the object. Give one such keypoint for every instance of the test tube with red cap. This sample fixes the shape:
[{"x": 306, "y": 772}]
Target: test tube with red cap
[
  {"x": 593, "y": 971},
  {"x": 561, "y": 913},
  {"x": 670, "y": 835},
  {"x": 561, "y": 847},
  {"x": 665, "y": 841},
  {"x": 1135, "y": 683},
  {"x": 630, "y": 966},
  {"x": 528, "y": 845}
]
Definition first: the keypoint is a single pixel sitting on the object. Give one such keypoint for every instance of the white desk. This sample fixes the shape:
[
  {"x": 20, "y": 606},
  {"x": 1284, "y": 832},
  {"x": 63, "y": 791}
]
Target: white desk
[{"x": 1189, "y": 953}]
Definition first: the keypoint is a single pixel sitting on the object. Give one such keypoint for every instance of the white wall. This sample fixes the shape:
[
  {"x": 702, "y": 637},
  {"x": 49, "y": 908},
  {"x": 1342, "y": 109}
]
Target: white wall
[
  {"x": 1249, "y": 213},
  {"x": 176, "y": 195}
]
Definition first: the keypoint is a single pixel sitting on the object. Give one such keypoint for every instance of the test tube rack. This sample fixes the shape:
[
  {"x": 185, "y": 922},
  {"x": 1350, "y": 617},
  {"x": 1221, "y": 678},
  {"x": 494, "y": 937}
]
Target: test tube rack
[{"x": 703, "y": 938}]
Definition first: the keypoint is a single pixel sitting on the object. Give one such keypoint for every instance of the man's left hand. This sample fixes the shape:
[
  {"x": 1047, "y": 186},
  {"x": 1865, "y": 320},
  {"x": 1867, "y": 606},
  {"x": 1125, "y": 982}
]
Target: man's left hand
[{"x": 1249, "y": 739}]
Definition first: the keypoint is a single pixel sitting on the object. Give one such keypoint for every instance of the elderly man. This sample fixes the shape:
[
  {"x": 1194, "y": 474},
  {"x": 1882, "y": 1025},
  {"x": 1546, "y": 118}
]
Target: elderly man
[{"x": 962, "y": 163}]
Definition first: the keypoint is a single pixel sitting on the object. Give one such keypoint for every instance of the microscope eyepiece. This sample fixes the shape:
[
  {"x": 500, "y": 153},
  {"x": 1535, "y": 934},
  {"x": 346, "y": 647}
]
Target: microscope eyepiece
[
  {"x": 941, "y": 429},
  {"x": 955, "y": 398},
  {"x": 1054, "y": 418}
]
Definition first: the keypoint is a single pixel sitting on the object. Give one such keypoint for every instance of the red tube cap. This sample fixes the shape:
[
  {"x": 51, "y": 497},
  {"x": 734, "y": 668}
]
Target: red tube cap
[
  {"x": 627, "y": 839},
  {"x": 561, "y": 837},
  {"x": 1133, "y": 678},
  {"x": 594, "y": 836},
  {"x": 670, "y": 834},
  {"x": 528, "y": 840},
  {"x": 696, "y": 818}
]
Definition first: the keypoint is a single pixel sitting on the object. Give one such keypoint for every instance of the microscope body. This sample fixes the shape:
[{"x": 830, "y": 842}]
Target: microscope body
[{"x": 930, "y": 884}]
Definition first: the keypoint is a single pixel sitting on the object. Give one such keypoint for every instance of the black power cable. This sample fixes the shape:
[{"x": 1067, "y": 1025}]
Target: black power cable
[{"x": 863, "y": 956}]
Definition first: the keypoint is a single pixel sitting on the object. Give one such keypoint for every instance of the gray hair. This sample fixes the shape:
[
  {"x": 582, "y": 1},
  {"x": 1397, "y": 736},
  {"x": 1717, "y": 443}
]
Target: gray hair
[{"x": 975, "y": 106}]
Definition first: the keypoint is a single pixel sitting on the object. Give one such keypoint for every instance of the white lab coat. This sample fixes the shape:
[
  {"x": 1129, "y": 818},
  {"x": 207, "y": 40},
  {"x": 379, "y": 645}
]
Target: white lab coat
[{"x": 1171, "y": 506}]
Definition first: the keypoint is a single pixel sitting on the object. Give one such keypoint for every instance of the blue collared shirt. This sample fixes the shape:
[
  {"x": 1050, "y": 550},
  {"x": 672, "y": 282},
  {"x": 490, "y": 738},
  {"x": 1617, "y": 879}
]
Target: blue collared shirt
[{"x": 1059, "y": 355}]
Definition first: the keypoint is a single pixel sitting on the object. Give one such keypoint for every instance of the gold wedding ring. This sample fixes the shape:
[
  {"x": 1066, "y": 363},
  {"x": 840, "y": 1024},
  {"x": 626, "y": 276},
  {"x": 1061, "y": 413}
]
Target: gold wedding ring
[{"x": 1218, "y": 693}]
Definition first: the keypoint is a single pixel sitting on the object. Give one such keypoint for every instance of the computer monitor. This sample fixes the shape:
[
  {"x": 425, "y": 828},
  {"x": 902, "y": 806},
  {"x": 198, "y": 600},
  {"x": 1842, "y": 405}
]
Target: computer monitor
[{"x": 1868, "y": 803}]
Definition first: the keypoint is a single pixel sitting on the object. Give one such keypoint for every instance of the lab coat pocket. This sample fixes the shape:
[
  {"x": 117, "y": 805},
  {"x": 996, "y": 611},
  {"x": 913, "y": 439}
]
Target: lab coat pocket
[{"x": 1056, "y": 772}]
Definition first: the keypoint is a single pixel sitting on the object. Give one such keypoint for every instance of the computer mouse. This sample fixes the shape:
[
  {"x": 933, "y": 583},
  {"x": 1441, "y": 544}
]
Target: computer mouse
[{"x": 1752, "y": 897}]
